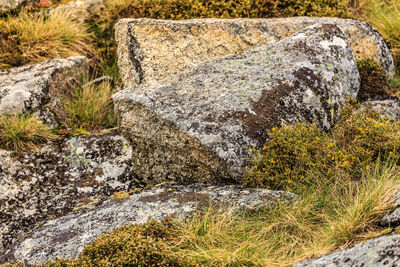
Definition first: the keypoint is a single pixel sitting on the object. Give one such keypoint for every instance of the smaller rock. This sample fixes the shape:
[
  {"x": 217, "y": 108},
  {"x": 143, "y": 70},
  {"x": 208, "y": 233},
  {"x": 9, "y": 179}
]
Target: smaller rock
[
  {"x": 393, "y": 219},
  {"x": 60, "y": 177},
  {"x": 66, "y": 236},
  {"x": 389, "y": 108},
  {"x": 79, "y": 10},
  {"x": 382, "y": 251},
  {"x": 37, "y": 87}
]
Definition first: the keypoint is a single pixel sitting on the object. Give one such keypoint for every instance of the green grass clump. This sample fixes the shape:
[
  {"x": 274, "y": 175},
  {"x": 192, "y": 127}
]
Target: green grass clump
[
  {"x": 35, "y": 37},
  {"x": 90, "y": 107},
  {"x": 134, "y": 245},
  {"x": 295, "y": 154},
  {"x": 23, "y": 132}
]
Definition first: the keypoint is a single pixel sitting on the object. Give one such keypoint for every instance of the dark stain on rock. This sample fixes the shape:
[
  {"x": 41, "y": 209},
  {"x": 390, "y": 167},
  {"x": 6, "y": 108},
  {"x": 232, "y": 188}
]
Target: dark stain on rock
[
  {"x": 63, "y": 236},
  {"x": 134, "y": 56},
  {"x": 276, "y": 105}
]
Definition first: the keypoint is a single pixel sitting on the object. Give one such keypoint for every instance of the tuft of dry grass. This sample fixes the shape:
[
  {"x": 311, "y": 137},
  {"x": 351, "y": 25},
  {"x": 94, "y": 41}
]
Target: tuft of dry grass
[
  {"x": 23, "y": 132},
  {"x": 327, "y": 217},
  {"x": 35, "y": 37},
  {"x": 90, "y": 107}
]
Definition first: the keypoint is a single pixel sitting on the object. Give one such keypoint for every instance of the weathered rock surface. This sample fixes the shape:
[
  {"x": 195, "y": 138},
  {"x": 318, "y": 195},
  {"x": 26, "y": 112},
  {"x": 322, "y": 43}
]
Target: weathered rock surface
[
  {"x": 199, "y": 125},
  {"x": 37, "y": 87},
  {"x": 382, "y": 251},
  {"x": 151, "y": 50},
  {"x": 66, "y": 236},
  {"x": 389, "y": 108},
  {"x": 79, "y": 9},
  {"x": 9, "y": 5},
  {"x": 60, "y": 177}
]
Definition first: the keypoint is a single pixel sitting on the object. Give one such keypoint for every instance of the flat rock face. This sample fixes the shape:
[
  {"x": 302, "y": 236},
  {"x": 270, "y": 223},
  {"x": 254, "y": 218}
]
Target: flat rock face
[
  {"x": 383, "y": 251},
  {"x": 151, "y": 50},
  {"x": 36, "y": 87},
  {"x": 66, "y": 236},
  {"x": 59, "y": 178},
  {"x": 199, "y": 125}
]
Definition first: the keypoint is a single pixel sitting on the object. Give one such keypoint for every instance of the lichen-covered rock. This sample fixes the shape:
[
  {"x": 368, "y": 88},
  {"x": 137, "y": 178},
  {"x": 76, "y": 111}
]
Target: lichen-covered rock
[
  {"x": 383, "y": 251},
  {"x": 389, "y": 108},
  {"x": 60, "y": 177},
  {"x": 9, "y": 5},
  {"x": 150, "y": 49},
  {"x": 37, "y": 87},
  {"x": 199, "y": 125},
  {"x": 79, "y": 10},
  {"x": 66, "y": 236}
]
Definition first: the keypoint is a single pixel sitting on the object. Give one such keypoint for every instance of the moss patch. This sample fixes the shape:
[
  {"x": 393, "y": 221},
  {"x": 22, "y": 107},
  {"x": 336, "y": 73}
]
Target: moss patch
[
  {"x": 133, "y": 245},
  {"x": 374, "y": 82}
]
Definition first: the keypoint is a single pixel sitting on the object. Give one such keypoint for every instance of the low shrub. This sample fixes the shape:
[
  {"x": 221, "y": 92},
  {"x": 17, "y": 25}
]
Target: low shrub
[
  {"x": 35, "y": 37},
  {"x": 367, "y": 135},
  {"x": 297, "y": 153},
  {"x": 90, "y": 107},
  {"x": 23, "y": 132},
  {"x": 133, "y": 245}
]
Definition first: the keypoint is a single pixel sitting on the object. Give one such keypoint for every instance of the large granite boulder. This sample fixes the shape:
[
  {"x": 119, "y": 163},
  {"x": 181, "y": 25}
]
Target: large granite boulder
[
  {"x": 200, "y": 125},
  {"x": 380, "y": 252},
  {"x": 66, "y": 236},
  {"x": 60, "y": 177},
  {"x": 37, "y": 87},
  {"x": 150, "y": 49}
]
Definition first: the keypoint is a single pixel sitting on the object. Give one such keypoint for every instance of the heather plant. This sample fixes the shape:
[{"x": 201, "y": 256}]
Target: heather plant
[{"x": 133, "y": 245}]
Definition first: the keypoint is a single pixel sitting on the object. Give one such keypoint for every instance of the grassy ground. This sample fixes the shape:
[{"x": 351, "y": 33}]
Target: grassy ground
[{"x": 327, "y": 216}]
